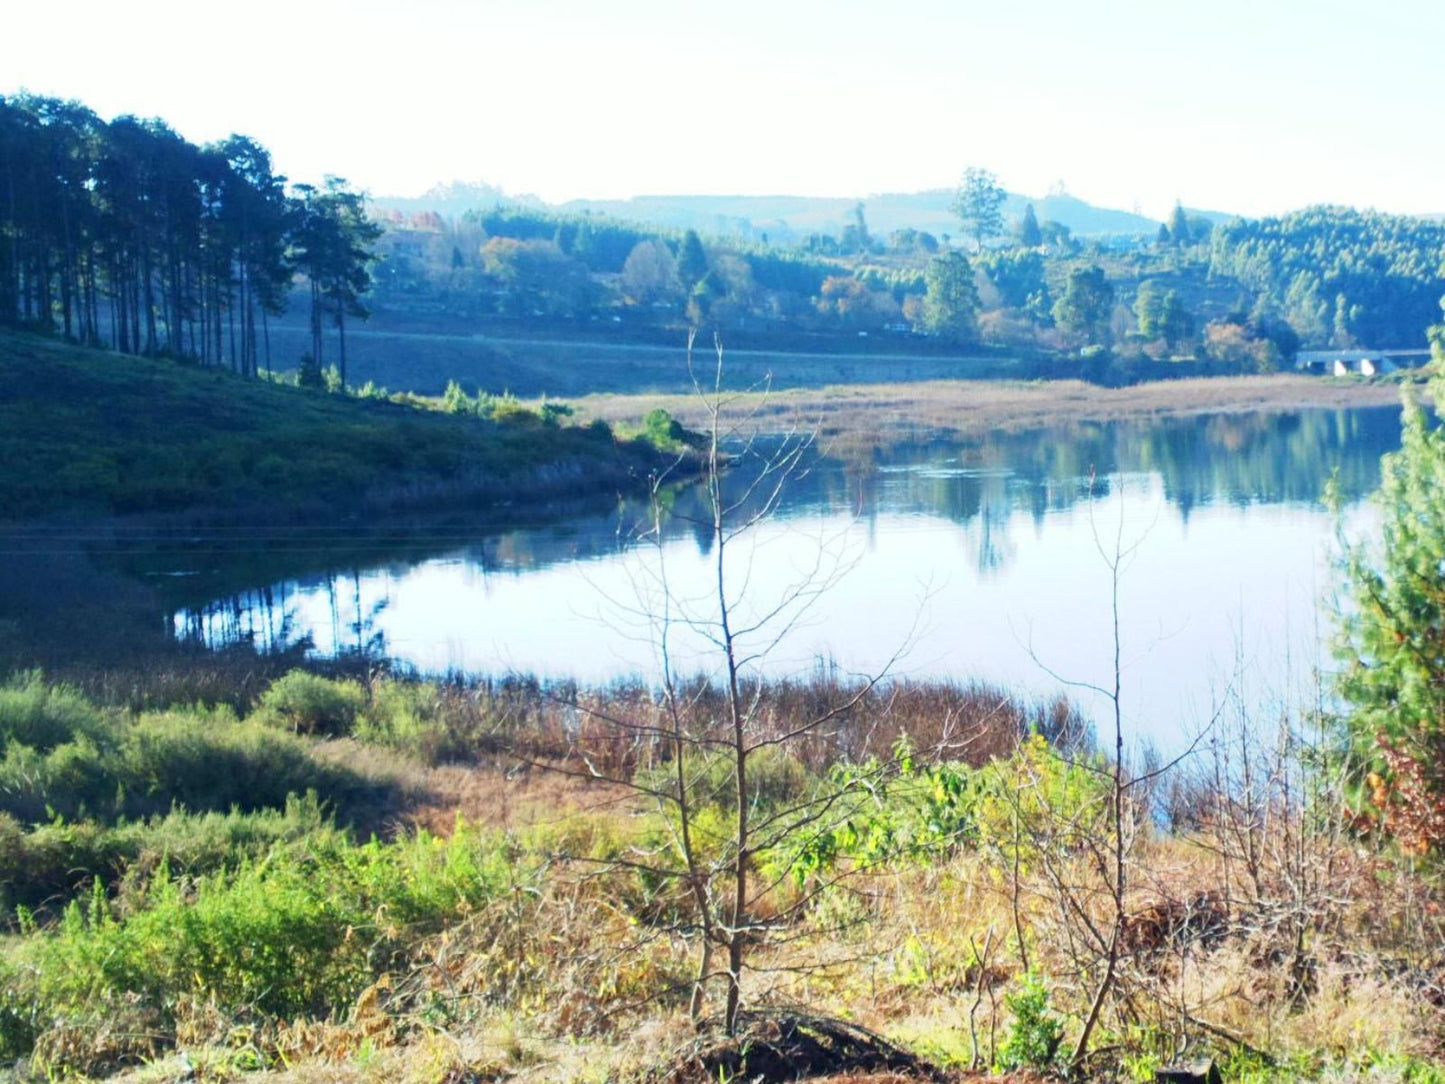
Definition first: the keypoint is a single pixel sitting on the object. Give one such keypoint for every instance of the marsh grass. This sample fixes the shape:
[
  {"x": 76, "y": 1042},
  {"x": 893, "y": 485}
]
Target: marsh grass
[{"x": 966, "y": 407}]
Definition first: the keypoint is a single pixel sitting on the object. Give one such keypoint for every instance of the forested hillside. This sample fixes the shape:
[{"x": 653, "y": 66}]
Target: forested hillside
[
  {"x": 123, "y": 233},
  {"x": 1340, "y": 276}
]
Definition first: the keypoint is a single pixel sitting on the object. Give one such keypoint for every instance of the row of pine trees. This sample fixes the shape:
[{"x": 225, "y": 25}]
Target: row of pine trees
[{"x": 125, "y": 234}]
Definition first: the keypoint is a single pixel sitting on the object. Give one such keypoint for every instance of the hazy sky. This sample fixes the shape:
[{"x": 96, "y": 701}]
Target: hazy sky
[{"x": 1251, "y": 106}]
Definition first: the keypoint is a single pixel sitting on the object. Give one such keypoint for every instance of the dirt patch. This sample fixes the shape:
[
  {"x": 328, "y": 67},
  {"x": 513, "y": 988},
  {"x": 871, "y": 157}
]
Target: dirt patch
[{"x": 772, "y": 1048}]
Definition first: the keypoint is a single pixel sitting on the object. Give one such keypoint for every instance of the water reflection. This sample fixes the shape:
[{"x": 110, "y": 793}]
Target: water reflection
[{"x": 988, "y": 545}]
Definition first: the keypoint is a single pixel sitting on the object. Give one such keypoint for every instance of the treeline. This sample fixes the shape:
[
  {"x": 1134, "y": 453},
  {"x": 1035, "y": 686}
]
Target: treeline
[
  {"x": 1242, "y": 296},
  {"x": 123, "y": 233},
  {"x": 522, "y": 262},
  {"x": 1340, "y": 277}
]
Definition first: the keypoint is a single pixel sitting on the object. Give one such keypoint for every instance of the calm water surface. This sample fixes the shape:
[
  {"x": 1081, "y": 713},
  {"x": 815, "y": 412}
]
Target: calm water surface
[{"x": 980, "y": 560}]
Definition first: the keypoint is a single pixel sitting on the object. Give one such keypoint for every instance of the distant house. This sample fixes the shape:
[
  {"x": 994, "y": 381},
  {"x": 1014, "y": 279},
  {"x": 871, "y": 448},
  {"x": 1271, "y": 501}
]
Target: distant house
[
  {"x": 1363, "y": 366},
  {"x": 1367, "y": 363}
]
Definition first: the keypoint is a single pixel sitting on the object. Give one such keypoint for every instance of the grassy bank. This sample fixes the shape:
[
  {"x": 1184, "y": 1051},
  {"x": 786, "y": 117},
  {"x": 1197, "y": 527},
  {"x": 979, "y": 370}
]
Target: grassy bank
[
  {"x": 343, "y": 880},
  {"x": 84, "y": 431}
]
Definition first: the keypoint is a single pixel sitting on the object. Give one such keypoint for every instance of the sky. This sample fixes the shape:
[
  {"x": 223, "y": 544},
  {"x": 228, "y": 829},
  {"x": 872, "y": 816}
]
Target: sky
[{"x": 1246, "y": 106}]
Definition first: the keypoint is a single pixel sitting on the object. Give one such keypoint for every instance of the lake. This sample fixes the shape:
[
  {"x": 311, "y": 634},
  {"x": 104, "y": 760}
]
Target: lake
[{"x": 988, "y": 559}]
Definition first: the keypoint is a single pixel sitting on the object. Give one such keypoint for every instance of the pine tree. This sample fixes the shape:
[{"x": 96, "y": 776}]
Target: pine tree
[
  {"x": 1391, "y": 640},
  {"x": 1030, "y": 236},
  {"x": 1179, "y": 232},
  {"x": 691, "y": 262}
]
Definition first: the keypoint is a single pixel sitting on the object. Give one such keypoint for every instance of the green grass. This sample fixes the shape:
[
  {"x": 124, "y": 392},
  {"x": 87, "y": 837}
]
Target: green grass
[
  {"x": 89, "y": 431},
  {"x": 64, "y": 757},
  {"x": 301, "y": 931}
]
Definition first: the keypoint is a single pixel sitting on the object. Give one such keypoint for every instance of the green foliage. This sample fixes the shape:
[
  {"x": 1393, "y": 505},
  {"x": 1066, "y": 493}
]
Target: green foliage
[
  {"x": 692, "y": 263},
  {"x": 306, "y": 703},
  {"x": 90, "y": 433},
  {"x": 1391, "y": 640},
  {"x": 456, "y": 401},
  {"x": 196, "y": 759},
  {"x": 1387, "y": 269},
  {"x": 308, "y": 373},
  {"x": 51, "y": 863},
  {"x": 1034, "y": 798},
  {"x": 1029, "y": 234},
  {"x": 1018, "y": 274},
  {"x": 1162, "y": 315},
  {"x": 663, "y": 431},
  {"x": 407, "y": 717},
  {"x": 979, "y": 204},
  {"x": 301, "y": 932},
  {"x": 1035, "y": 1033},
  {"x": 950, "y": 307},
  {"x": 41, "y": 716},
  {"x": 1086, "y": 306}
]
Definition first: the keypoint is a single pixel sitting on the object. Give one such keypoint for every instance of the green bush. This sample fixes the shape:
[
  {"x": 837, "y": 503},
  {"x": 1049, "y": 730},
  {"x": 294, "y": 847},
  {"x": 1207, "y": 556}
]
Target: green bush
[
  {"x": 302, "y": 931},
  {"x": 193, "y": 760},
  {"x": 310, "y": 704},
  {"x": 511, "y": 411},
  {"x": 1035, "y": 1033},
  {"x": 663, "y": 431},
  {"x": 53, "y": 862},
  {"x": 407, "y": 717},
  {"x": 41, "y": 716}
]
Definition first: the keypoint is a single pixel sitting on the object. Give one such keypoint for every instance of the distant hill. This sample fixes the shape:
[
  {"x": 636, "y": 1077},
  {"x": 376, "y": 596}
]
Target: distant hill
[
  {"x": 790, "y": 218},
  {"x": 455, "y": 199}
]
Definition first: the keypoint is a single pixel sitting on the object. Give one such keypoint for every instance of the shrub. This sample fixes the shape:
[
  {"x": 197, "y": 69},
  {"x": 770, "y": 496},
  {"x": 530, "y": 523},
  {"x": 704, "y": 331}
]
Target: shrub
[
  {"x": 41, "y": 717},
  {"x": 301, "y": 932},
  {"x": 310, "y": 704},
  {"x": 1035, "y": 1033},
  {"x": 511, "y": 411},
  {"x": 53, "y": 862},
  {"x": 663, "y": 431},
  {"x": 196, "y": 761},
  {"x": 407, "y": 717}
]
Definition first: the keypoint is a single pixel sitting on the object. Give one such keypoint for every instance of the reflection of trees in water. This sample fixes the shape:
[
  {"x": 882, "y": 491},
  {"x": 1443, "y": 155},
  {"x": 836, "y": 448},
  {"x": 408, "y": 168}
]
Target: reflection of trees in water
[
  {"x": 268, "y": 618},
  {"x": 1238, "y": 459}
]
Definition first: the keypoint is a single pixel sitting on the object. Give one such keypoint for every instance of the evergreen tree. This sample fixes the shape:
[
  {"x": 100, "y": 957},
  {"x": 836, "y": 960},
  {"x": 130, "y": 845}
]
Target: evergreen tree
[
  {"x": 1179, "y": 232},
  {"x": 1030, "y": 236},
  {"x": 331, "y": 247},
  {"x": 950, "y": 305},
  {"x": 1086, "y": 306},
  {"x": 691, "y": 262},
  {"x": 1391, "y": 640},
  {"x": 126, "y": 231}
]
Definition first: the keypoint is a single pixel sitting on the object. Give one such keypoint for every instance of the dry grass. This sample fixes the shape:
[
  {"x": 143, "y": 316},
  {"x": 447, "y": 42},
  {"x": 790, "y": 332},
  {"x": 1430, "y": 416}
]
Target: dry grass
[
  {"x": 1248, "y": 929},
  {"x": 962, "y": 407}
]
